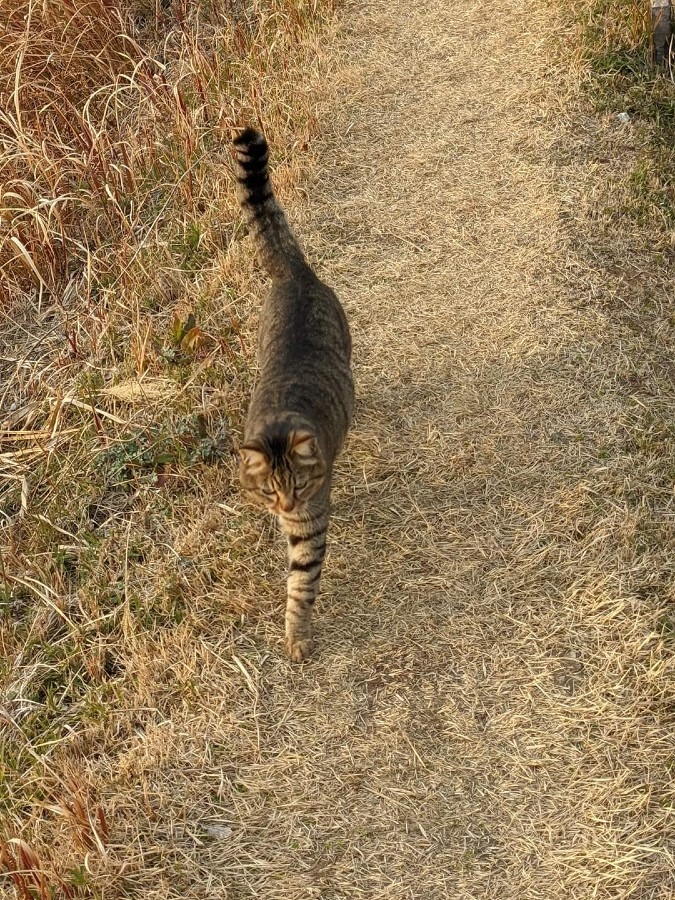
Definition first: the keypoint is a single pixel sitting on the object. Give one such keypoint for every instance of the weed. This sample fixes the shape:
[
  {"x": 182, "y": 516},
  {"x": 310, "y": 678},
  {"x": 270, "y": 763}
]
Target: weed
[{"x": 148, "y": 452}]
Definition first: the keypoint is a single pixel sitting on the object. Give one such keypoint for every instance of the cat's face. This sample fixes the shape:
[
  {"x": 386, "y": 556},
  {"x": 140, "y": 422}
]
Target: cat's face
[{"x": 285, "y": 480}]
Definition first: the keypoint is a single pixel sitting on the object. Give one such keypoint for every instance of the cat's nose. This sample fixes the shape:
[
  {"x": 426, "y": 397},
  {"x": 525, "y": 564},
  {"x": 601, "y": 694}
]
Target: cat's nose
[{"x": 287, "y": 503}]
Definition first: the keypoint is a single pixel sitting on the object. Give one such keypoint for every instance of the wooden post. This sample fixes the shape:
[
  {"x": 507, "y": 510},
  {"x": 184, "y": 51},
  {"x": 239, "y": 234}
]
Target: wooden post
[{"x": 661, "y": 29}]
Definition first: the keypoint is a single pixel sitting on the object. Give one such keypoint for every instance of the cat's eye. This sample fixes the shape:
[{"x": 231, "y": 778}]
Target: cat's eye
[{"x": 268, "y": 492}]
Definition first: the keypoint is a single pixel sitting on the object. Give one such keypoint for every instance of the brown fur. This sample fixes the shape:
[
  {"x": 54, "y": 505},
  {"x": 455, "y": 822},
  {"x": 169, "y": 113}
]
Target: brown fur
[{"x": 303, "y": 400}]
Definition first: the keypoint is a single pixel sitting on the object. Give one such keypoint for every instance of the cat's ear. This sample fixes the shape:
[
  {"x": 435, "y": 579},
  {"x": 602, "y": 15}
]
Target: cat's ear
[
  {"x": 254, "y": 458},
  {"x": 305, "y": 448}
]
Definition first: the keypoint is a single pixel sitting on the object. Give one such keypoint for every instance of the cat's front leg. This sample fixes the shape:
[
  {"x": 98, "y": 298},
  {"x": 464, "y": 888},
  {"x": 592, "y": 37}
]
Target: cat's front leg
[{"x": 306, "y": 551}]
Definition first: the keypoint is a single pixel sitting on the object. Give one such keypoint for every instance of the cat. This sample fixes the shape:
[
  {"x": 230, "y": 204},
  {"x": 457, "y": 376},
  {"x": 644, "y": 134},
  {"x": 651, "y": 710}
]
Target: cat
[{"x": 302, "y": 403}]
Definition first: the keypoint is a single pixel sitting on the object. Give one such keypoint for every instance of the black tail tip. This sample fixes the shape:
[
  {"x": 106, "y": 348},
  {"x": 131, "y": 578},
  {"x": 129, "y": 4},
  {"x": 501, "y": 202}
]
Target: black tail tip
[{"x": 251, "y": 141}]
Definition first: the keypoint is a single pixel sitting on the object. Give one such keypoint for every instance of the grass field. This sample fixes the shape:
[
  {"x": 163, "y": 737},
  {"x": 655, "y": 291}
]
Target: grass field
[
  {"x": 126, "y": 358},
  {"x": 496, "y": 697}
]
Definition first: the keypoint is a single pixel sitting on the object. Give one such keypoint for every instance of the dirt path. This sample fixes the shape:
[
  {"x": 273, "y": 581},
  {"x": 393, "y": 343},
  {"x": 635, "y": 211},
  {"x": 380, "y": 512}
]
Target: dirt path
[
  {"x": 482, "y": 718},
  {"x": 471, "y": 728}
]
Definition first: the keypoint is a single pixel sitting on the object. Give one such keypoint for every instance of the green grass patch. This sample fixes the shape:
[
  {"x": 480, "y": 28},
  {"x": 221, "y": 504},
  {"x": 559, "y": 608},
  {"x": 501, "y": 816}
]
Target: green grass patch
[{"x": 615, "y": 38}]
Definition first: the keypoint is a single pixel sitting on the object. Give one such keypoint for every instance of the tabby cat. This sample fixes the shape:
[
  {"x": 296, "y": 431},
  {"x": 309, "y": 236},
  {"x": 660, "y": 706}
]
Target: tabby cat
[{"x": 303, "y": 400}]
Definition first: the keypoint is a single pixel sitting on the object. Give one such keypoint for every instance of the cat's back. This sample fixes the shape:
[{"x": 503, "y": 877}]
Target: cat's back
[
  {"x": 304, "y": 356},
  {"x": 303, "y": 319}
]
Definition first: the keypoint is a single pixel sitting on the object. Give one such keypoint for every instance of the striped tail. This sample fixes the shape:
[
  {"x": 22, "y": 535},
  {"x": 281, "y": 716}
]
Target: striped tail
[{"x": 276, "y": 245}]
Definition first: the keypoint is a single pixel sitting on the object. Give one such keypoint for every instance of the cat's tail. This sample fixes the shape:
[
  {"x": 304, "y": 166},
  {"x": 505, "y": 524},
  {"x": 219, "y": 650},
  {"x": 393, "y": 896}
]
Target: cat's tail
[{"x": 277, "y": 247}]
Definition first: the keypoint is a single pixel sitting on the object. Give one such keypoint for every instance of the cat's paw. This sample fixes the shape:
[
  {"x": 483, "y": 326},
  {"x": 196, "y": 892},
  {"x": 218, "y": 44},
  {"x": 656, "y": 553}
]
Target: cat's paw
[{"x": 299, "y": 650}]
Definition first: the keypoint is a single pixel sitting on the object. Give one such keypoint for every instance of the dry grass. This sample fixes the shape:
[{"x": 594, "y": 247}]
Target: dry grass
[
  {"x": 491, "y": 711},
  {"x": 124, "y": 365}
]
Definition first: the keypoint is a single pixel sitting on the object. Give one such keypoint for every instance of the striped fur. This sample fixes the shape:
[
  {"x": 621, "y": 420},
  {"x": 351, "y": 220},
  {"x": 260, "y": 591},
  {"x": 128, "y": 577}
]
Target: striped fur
[
  {"x": 276, "y": 245},
  {"x": 306, "y": 550},
  {"x": 302, "y": 404}
]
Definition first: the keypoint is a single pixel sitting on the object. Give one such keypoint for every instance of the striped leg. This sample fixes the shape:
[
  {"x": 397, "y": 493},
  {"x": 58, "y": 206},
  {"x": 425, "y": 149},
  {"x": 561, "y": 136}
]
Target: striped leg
[{"x": 306, "y": 550}]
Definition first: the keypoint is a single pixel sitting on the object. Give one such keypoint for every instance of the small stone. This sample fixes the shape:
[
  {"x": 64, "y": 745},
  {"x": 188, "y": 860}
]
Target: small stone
[{"x": 220, "y": 832}]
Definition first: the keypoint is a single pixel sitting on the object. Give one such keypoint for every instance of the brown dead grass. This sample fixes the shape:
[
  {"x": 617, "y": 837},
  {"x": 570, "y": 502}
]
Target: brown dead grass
[{"x": 490, "y": 713}]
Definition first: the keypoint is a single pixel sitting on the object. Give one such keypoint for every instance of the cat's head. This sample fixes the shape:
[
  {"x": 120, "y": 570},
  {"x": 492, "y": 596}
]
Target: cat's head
[{"x": 284, "y": 472}]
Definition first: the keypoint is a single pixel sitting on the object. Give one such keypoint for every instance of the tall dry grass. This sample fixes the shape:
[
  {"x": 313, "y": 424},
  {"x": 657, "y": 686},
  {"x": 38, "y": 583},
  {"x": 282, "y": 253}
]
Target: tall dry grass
[{"x": 112, "y": 114}]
